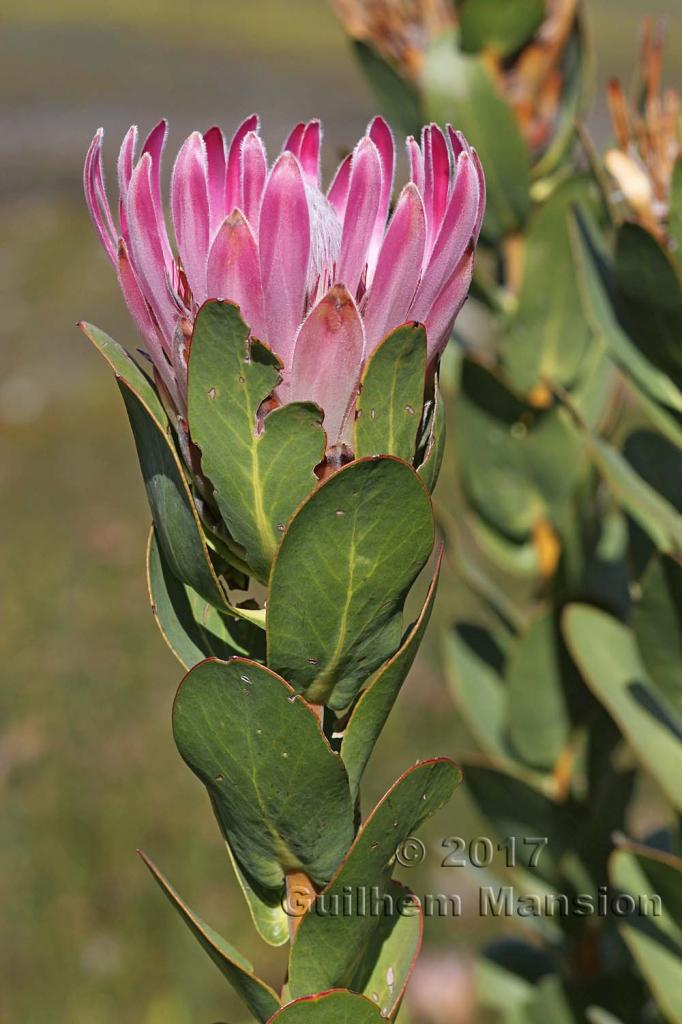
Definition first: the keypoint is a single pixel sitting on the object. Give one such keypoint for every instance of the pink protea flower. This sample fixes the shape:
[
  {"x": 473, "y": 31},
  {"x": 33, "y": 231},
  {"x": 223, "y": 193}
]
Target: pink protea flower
[{"x": 321, "y": 278}]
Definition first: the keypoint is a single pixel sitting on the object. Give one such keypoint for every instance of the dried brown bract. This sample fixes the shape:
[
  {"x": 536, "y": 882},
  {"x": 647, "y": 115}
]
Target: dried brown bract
[{"x": 648, "y": 138}]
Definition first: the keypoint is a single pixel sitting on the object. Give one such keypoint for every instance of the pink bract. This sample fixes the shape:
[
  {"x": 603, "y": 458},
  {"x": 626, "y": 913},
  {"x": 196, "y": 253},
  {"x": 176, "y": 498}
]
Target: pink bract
[{"x": 319, "y": 277}]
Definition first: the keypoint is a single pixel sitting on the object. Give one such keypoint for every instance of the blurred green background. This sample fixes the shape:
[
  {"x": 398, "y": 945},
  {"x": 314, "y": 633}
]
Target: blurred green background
[{"x": 88, "y": 771}]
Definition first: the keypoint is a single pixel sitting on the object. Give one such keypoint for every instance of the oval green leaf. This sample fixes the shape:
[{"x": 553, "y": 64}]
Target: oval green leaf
[
  {"x": 654, "y": 513},
  {"x": 657, "y": 622},
  {"x": 374, "y": 706},
  {"x": 280, "y": 793},
  {"x": 339, "y": 582},
  {"x": 261, "y": 467},
  {"x": 339, "y": 1007},
  {"x": 549, "y": 335},
  {"x": 539, "y": 720},
  {"x": 389, "y": 407},
  {"x": 648, "y": 298},
  {"x": 474, "y": 666},
  {"x": 606, "y": 653},
  {"x": 595, "y": 280}
]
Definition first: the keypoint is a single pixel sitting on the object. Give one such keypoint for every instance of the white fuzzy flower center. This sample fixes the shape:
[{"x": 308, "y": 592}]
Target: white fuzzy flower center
[{"x": 325, "y": 243}]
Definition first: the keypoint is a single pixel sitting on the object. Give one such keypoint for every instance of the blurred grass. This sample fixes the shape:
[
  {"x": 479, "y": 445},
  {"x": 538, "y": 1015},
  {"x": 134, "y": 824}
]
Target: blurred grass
[{"x": 88, "y": 771}]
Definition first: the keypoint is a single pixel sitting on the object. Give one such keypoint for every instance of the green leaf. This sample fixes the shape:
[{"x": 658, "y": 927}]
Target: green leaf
[
  {"x": 539, "y": 721},
  {"x": 600, "y": 565},
  {"x": 596, "y": 286},
  {"x": 176, "y": 522},
  {"x": 517, "y": 463},
  {"x": 656, "y": 516},
  {"x": 648, "y": 298},
  {"x": 606, "y": 654},
  {"x": 261, "y": 1000},
  {"x": 341, "y": 576},
  {"x": 124, "y": 366},
  {"x": 489, "y": 560},
  {"x": 654, "y": 938},
  {"x": 657, "y": 462},
  {"x": 549, "y": 336},
  {"x": 329, "y": 1008},
  {"x": 515, "y": 808},
  {"x": 474, "y": 666},
  {"x": 333, "y": 950},
  {"x": 550, "y": 1003},
  {"x": 265, "y": 905},
  {"x": 435, "y": 443},
  {"x": 499, "y": 25},
  {"x": 280, "y": 793},
  {"x": 657, "y": 622},
  {"x": 192, "y": 628},
  {"x": 173, "y": 509},
  {"x": 458, "y": 89},
  {"x": 397, "y": 98},
  {"x": 391, "y": 956},
  {"x": 261, "y": 468},
  {"x": 374, "y": 706},
  {"x": 503, "y": 990},
  {"x": 577, "y": 69},
  {"x": 389, "y": 406}
]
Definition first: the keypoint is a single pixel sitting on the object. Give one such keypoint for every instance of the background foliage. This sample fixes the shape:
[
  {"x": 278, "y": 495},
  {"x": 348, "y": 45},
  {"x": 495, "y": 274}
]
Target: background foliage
[{"x": 88, "y": 770}]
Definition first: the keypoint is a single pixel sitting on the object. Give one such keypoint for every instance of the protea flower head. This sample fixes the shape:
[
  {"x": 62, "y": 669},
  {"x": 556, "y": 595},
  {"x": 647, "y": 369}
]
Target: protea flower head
[
  {"x": 319, "y": 277},
  {"x": 649, "y": 139}
]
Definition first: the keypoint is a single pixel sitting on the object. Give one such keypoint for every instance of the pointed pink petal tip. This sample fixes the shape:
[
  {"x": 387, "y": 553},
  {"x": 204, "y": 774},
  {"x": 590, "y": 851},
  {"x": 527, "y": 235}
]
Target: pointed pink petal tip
[
  {"x": 284, "y": 248},
  {"x": 327, "y": 361}
]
